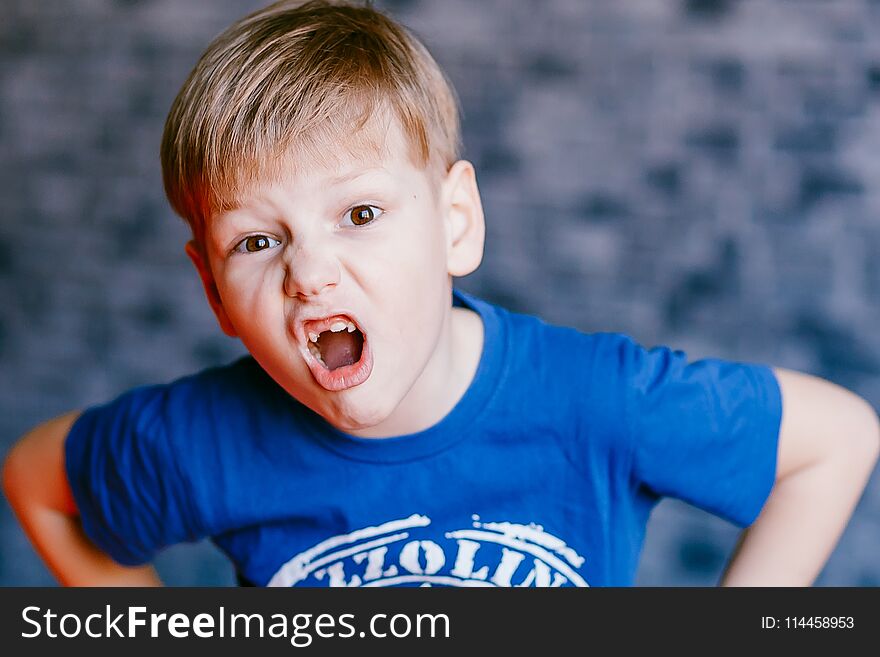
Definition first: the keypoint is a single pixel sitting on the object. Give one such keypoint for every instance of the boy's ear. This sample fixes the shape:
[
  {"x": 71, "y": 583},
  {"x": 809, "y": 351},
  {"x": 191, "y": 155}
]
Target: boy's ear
[
  {"x": 465, "y": 227},
  {"x": 200, "y": 260}
]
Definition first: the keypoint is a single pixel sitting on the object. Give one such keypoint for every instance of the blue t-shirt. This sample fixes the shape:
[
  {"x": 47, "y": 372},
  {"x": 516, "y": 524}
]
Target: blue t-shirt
[{"x": 544, "y": 473}]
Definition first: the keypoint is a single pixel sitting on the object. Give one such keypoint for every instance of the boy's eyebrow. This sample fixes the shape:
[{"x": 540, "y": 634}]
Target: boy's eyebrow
[
  {"x": 331, "y": 182},
  {"x": 353, "y": 175}
]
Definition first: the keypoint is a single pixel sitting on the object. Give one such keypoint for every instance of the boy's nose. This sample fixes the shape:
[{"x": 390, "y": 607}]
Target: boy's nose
[{"x": 309, "y": 272}]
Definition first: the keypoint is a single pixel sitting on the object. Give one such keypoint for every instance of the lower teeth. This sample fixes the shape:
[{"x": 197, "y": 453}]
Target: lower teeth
[{"x": 313, "y": 348}]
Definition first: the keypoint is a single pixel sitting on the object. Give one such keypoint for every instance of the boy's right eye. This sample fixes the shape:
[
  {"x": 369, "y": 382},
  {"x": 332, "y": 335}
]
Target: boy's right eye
[{"x": 254, "y": 243}]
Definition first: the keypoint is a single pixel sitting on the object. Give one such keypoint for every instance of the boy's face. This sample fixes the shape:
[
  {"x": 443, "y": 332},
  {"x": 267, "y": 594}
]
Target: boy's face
[{"x": 359, "y": 256}]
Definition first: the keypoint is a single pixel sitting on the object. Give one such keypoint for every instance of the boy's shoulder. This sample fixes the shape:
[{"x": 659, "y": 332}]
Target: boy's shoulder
[
  {"x": 615, "y": 371},
  {"x": 177, "y": 410},
  {"x": 240, "y": 376},
  {"x": 523, "y": 326},
  {"x": 565, "y": 360}
]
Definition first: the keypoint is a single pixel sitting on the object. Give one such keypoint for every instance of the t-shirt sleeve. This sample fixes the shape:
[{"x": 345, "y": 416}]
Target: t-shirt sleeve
[
  {"x": 705, "y": 432},
  {"x": 126, "y": 479}
]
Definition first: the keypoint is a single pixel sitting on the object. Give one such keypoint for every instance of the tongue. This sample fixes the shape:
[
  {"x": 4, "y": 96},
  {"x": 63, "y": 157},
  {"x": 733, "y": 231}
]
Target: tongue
[{"x": 340, "y": 349}]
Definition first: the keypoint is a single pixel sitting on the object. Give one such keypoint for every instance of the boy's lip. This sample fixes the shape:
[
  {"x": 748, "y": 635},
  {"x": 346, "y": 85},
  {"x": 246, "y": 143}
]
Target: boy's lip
[{"x": 341, "y": 378}]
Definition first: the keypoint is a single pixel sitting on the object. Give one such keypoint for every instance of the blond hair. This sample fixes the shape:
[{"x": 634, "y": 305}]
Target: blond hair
[{"x": 289, "y": 84}]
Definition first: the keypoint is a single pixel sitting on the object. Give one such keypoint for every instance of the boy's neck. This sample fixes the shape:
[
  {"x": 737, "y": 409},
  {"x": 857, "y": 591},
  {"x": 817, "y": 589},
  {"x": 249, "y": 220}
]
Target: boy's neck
[{"x": 444, "y": 382}]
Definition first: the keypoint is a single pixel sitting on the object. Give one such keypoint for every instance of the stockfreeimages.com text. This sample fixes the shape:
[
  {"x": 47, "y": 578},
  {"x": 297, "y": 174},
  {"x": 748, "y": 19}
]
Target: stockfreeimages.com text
[{"x": 300, "y": 629}]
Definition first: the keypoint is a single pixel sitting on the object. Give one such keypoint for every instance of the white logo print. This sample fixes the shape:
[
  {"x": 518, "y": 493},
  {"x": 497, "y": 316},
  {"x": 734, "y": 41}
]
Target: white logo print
[{"x": 399, "y": 552}]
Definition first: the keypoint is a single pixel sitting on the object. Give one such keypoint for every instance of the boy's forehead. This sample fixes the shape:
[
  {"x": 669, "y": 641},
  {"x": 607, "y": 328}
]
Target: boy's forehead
[{"x": 378, "y": 149}]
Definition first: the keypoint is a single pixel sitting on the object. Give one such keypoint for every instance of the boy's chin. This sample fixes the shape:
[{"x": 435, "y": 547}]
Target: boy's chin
[{"x": 358, "y": 415}]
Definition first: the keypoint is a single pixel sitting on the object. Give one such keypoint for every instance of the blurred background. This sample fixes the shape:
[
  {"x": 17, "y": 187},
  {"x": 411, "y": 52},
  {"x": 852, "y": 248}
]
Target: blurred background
[{"x": 698, "y": 173}]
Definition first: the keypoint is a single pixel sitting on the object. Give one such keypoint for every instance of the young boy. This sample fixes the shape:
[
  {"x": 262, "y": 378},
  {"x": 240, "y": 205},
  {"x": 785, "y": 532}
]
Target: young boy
[{"x": 387, "y": 429}]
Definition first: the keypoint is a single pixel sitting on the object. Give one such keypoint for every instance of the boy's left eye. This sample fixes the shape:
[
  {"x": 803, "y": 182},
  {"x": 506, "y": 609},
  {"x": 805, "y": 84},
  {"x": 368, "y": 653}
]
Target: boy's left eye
[{"x": 360, "y": 215}]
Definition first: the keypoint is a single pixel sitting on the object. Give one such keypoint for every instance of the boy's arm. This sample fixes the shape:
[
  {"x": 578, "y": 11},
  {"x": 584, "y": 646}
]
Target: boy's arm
[
  {"x": 35, "y": 483},
  {"x": 829, "y": 442}
]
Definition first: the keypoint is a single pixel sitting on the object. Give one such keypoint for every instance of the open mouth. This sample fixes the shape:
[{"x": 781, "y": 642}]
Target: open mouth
[
  {"x": 340, "y": 345},
  {"x": 339, "y": 352}
]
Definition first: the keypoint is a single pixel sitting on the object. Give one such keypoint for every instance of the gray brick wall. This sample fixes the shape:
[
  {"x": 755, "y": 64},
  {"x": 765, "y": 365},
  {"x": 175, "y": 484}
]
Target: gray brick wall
[{"x": 700, "y": 173}]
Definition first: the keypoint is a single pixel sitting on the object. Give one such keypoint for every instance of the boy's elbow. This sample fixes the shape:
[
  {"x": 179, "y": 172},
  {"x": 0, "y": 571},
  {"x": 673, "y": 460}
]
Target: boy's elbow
[
  {"x": 873, "y": 432},
  {"x": 33, "y": 472},
  {"x": 824, "y": 424},
  {"x": 12, "y": 475},
  {"x": 863, "y": 442},
  {"x": 19, "y": 479}
]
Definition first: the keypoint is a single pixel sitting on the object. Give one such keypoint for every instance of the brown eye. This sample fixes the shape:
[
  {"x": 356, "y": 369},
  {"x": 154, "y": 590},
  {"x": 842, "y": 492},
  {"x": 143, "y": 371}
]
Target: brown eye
[
  {"x": 256, "y": 243},
  {"x": 361, "y": 214}
]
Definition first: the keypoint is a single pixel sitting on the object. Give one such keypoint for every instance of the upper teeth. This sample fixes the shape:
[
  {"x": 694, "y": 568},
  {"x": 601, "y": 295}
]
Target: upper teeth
[{"x": 335, "y": 327}]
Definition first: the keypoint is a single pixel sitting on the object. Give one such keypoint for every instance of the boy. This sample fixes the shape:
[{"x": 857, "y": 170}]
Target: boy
[{"x": 387, "y": 429}]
